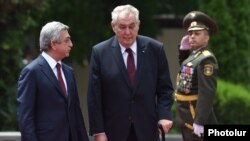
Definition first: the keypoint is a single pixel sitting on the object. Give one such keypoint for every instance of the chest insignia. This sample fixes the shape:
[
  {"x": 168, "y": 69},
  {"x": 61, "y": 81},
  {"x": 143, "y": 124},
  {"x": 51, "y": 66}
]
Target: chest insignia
[{"x": 208, "y": 70}]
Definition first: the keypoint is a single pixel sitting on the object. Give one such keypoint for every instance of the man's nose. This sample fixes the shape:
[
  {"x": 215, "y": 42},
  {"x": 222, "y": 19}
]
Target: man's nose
[{"x": 127, "y": 30}]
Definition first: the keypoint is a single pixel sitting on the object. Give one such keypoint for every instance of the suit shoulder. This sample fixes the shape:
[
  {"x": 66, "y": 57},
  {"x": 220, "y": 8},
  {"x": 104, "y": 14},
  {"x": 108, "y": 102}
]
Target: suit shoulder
[
  {"x": 67, "y": 67},
  {"x": 104, "y": 43},
  {"x": 148, "y": 41},
  {"x": 31, "y": 68},
  {"x": 33, "y": 64},
  {"x": 208, "y": 54}
]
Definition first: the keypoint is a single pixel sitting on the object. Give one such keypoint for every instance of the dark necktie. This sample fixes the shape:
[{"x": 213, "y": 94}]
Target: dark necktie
[
  {"x": 60, "y": 79},
  {"x": 131, "y": 67}
]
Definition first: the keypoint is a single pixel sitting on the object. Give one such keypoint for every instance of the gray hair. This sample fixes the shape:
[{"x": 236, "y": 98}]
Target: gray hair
[
  {"x": 51, "y": 32},
  {"x": 127, "y": 8}
]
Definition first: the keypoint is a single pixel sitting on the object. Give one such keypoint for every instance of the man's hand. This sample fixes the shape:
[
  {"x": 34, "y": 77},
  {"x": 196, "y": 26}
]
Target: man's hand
[
  {"x": 166, "y": 125},
  {"x": 198, "y": 129},
  {"x": 185, "y": 43},
  {"x": 100, "y": 137}
]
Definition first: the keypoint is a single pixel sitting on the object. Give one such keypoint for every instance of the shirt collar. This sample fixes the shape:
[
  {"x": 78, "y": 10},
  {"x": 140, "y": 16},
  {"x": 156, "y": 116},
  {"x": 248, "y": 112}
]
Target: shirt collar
[
  {"x": 52, "y": 62},
  {"x": 132, "y": 47}
]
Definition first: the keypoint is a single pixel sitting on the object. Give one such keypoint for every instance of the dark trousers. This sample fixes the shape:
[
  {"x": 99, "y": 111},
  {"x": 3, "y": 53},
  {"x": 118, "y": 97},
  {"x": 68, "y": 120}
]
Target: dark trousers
[
  {"x": 132, "y": 135},
  {"x": 70, "y": 137},
  {"x": 188, "y": 135}
]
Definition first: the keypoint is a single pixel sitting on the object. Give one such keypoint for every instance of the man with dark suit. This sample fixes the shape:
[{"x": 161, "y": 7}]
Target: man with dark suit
[
  {"x": 130, "y": 90},
  {"x": 48, "y": 102},
  {"x": 197, "y": 77}
]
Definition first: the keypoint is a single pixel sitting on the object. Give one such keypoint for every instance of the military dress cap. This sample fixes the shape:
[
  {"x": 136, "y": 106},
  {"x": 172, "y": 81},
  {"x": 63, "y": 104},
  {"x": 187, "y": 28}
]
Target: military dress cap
[{"x": 197, "y": 20}]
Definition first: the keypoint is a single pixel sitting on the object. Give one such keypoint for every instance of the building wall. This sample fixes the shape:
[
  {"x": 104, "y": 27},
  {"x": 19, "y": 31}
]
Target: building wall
[{"x": 169, "y": 36}]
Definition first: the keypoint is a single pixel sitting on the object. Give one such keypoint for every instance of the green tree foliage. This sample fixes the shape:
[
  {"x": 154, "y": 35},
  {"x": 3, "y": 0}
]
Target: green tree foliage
[
  {"x": 175, "y": 7},
  {"x": 232, "y": 44},
  {"x": 232, "y": 103},
  {"x": 21, "y": 22},
  {"x": 87, "y": 23},
  {"x": 14, "y": 21},
  {"x": 90, "y": 22}
]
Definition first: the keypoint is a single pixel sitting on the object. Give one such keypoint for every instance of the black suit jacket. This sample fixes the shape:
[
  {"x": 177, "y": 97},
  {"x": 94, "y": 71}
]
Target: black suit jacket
[
  {"x": 113, "y": 105},
  {"x": 44, "y": 114}
]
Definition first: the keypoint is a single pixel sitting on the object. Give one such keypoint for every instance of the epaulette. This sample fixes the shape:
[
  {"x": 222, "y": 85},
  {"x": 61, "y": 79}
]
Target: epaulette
[{"x": 206, "y": 53}]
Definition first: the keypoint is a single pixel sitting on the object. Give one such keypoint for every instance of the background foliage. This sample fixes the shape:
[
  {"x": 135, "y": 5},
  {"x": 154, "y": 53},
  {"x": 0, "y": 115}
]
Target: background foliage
[
  {"x": 232, "y": 45},
  {"x": 15, "y": 20},
  {"x": 89, "y": 21},
  {"x": 232, "y": 103}
]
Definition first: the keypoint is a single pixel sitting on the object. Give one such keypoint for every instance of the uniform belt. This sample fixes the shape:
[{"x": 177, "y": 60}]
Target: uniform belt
[
  {"x": 180, "y": 97},
  {"x": 188, "y": 98}
]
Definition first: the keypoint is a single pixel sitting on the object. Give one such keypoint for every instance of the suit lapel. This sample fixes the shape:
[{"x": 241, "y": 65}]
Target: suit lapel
[
  {"x": 49, "y": 74},
  {"x": 69, "y": 82},
  {"x": 141, "y": 52},
  {"x": 116, "y": 51},
  {"x": 192, "y": 57},
  {"x": 188, "y": 59}
]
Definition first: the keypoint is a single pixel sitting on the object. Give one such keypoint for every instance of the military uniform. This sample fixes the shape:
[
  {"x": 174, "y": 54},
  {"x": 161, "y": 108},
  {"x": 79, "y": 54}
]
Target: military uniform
[
  {"x": 183, "y": 54},
  {"x": 196, "y": 83},
  {"x": 195, "y": 89}
]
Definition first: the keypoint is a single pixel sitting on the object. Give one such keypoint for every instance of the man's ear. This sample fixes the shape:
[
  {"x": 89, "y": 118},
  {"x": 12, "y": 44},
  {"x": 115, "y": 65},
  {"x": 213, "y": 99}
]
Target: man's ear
[
  {"x": 53, "y": 44},
  {"x": 139, "y": 24},
  {"x": 113, "y": 26}
]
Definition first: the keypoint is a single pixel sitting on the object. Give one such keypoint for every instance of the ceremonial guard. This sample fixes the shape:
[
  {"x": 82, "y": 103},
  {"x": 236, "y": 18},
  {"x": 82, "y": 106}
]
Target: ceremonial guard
[{"x": 197, "y": 77}]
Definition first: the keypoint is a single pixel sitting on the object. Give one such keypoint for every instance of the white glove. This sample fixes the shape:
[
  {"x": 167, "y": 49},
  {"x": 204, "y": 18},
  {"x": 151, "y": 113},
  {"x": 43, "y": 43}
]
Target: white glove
[
  {"x": 184, "y": 43},
  {"x": 198, "y": 129}
]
